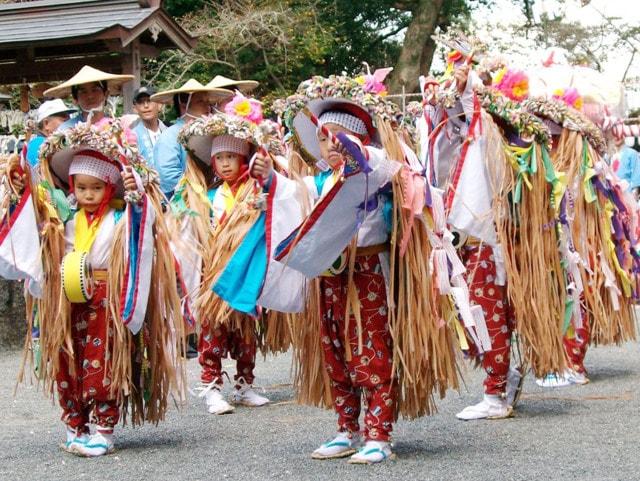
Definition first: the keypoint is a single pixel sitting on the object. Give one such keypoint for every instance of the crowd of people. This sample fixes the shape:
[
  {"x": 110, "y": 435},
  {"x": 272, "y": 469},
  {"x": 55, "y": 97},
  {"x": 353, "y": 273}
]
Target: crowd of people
[{"x": 381, "y": 246}]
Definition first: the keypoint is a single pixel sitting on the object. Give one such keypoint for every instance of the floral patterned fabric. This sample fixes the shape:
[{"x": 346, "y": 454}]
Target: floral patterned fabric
[
  {"x": 483, "y": 291},
  {"x": 576, "y": 342},
  {"x": 368, "y": 372},
  {"x": 83, "y": 381},
  {"x": 214, "y": 345}
]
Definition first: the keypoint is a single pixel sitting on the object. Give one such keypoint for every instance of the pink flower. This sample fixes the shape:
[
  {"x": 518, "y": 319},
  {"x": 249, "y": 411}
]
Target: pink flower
[
  {"x": 569, "y": 96},
  {"x": 373, "y": 83},
  {"x": 245, "y": 108},
  {"x": 512, "y": 83}
]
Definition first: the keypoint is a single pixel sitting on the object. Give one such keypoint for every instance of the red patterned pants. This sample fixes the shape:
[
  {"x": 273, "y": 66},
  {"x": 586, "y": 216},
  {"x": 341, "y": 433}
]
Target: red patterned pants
[
  {"x": 481, "y": 276},
  {"x": 367, "y": 372},
  {"x": 214, "y": 345},
  {"x": 83, "y": 381},
  {"x": 576, "y": 342}
]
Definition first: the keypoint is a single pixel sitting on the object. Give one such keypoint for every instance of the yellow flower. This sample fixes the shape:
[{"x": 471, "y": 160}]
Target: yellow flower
[
  {"x": 499, "y": 75},
  {"x": 578, "y": 103},
  {"x": 360, "y": 80},
  {"x": 243, "y": 108}
]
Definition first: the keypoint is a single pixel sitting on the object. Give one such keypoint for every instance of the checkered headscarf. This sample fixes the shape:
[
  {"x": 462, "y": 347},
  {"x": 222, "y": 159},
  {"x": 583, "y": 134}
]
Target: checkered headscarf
[
  {"x": 229, "y": 143},
  {"x": 343, "y": 119},
  {"x": 90, "y": 162}
]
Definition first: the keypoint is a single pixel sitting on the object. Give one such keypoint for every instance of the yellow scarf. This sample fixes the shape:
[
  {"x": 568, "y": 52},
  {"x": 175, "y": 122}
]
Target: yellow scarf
[{"x": 85, "y": 234}]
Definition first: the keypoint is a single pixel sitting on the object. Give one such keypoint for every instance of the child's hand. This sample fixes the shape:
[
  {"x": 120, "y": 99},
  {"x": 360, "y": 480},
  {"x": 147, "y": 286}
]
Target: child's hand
[
  {"x": 461, "y": 75},
  {"x": 262, "y": 166},
  {"x": 129, "y": 180},
  {"x": 431, "y": 90},
  {"x": 17, "y": 178},
  {"x": 18, "y": 181}
]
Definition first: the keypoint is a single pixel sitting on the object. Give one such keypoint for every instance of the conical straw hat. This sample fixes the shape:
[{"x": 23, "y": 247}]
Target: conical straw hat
[
  {"x": 190, "y": 87},
  {"x": 244, "y": 86},
  {"x": 88, "y": 75}
]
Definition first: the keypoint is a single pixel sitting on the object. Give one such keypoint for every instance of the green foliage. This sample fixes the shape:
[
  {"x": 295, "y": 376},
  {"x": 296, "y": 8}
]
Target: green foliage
[
  {"x": 178, "y": 8},
  {"x": 282, "y": 42}
]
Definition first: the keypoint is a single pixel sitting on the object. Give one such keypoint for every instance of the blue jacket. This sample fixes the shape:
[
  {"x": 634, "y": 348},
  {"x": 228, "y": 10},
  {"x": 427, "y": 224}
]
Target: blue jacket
[
  {"x": 33, "y": 147},
  {"x": 629, "y": 168},
  {"x": 170, "y": 158},
  {"x": 145, "y": 147}
]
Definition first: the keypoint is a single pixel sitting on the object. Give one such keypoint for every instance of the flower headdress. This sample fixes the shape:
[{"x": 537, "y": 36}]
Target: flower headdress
[
  {"x": 108, "y": 138},
  {"x": 569, "y": 96},
  {"x": 567, "y": 117},
  {"x": 242, "y": 119},
  {"x": 366, "y": 90},
  {"x": 528, "y": 126},
  {"x": 512, "y": 83}
]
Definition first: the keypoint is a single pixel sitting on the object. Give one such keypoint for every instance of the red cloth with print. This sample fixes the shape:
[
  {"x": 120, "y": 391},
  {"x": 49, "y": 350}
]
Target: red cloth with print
[
  {"x": 576, "y": 344},
  {"x": 367, "y": 373},
  {"x": 83, "y": 381},
  {"x": 483, "y": 291},
  {"x": 214, "y": 346}
]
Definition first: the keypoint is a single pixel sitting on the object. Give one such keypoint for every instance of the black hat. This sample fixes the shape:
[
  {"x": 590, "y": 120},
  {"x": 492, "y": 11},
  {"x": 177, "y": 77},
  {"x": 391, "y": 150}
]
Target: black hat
[{"x": 146, "y": 90}]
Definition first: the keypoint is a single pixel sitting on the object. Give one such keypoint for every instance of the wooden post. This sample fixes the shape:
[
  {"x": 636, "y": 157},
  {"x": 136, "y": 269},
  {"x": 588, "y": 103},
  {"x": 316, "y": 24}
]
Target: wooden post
[{"x": 131, "y": 65}]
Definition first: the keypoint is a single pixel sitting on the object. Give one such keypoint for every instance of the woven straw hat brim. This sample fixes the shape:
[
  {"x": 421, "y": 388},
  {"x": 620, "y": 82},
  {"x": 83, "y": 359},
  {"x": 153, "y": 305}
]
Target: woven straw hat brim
[{"x": 88, "y": 75}]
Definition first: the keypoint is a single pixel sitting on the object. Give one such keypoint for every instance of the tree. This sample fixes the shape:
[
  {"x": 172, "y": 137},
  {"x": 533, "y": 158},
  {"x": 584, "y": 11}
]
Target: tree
[{"x": 281, "y": 42}]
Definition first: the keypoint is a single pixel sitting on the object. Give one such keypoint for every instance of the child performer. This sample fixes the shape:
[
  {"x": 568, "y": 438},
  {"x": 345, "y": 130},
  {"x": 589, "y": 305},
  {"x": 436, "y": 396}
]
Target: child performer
[
  {"x": 363, "y": 330},
  {"x": 110, "y": 256},
  {"x": 228, "y": 308}
]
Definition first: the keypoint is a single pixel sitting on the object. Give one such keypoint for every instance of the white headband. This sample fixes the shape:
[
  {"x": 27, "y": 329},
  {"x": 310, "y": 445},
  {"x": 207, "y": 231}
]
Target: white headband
[
  {"x": 343, "y": 119},
  {"x": 229, "y": 143},
  {"x": 87, "y": 164}
]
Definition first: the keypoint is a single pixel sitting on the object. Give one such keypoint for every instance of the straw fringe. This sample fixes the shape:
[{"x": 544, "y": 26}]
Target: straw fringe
[
  {"x": 229, "y": 233},
  {"x": 527, "y": 233}
]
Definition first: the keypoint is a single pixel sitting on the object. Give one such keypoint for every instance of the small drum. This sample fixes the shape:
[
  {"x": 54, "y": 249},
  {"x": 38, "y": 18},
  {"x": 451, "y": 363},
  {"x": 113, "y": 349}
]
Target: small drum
[{"x": 77, "y": 278}]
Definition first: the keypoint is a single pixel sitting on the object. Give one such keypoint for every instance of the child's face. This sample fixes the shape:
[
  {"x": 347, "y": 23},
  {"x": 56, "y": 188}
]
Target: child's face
[
  {"x": 89, "y": 191},
  {"x": 227, "y": 165},
  {"x": 329, "y": 151}
]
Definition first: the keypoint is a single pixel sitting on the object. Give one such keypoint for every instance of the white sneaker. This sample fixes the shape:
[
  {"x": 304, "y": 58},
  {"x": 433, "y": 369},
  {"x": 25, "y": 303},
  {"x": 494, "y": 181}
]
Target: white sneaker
[
  {"x": 98, "y": 444},
  {"x": 339, "y": 447},
  {"x": 72, "y": 437},
  {"x": 246, "y": 396},
  {"x": 216, "y": 404},
  {"x": 563, "y": 379},
  {"x": 514, "y": 386},
  {"x": 491, "y": 407},
  {"x": 372, "y": 452}
]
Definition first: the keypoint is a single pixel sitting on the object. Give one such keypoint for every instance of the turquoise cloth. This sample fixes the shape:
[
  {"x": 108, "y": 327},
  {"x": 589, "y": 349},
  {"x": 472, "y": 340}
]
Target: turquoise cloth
[{"x": 240, "y": 284}]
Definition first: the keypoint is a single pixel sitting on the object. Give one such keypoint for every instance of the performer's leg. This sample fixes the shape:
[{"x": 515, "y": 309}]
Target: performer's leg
[
  {"x": 69, "y": 386},
  {"x": 483, "y": 291},
  {"x": 372, "y": 360},
  {"x": 345, "y": 396},
  {"x": 371, "y": 368},
  {"x": 243, "y": 346},
  {"x": 212, "y": 348},
  {"x": 576, "y": 343}
]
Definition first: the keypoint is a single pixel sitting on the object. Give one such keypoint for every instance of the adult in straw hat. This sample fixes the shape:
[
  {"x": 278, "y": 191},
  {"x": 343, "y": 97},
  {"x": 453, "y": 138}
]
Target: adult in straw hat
[
  {"x": 89, "y": 89},
  {"x": 222, "y": 82},
  {"x": 191, "y": 101}
]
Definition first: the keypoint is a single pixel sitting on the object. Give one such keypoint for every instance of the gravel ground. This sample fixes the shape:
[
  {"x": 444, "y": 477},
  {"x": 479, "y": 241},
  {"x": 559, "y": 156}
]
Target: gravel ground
[{"x": 583, "y": 433}]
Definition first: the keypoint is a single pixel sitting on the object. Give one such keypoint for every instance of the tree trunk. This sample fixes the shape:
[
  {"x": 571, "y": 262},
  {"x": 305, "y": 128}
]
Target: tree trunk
[
  {"x": 418, "y": 47},
  {"x": 12, "y": 314}
]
